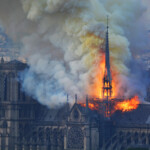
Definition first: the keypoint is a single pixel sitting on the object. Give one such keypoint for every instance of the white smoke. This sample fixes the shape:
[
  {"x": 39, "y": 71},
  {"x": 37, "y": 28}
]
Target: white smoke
[{"x": 62, "y": 48}]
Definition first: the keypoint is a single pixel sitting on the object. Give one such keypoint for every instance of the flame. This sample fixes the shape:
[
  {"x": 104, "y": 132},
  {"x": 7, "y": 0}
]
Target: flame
[
  {"x": 116, "y": 104},
  {"x": 128, "y": 105},
  {"x": 95, "y": 87},
  {"x": 92, "y": 106},
  {"x": 97, "y": 60}
]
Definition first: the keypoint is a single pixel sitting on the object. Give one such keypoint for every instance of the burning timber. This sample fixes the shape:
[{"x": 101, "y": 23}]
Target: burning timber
[{"x": 102, "y": 105}]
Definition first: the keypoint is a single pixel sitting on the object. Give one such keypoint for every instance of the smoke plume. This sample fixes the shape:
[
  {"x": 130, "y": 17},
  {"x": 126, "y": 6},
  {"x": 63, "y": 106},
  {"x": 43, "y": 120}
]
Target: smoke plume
[{"x": 63, "y": 45}]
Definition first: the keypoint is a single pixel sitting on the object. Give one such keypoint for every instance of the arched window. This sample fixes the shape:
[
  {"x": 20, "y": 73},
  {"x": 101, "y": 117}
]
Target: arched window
[
  {"x": 5, "y": 89},
  {"x": 34, "y": 136},
  {"x": 11, "y": 86},
  {"x": 47, "y": 135},
  {"x": 136, "y": 136},
  {"x": 19, "y": 91},
  {"x": 4, "y": 124},
  {"x": 41, "y": 135}
]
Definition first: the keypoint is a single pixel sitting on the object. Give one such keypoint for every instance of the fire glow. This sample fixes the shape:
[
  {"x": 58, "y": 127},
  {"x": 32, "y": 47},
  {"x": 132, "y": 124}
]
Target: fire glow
[
  {"x": 128, "y": 105},
  {"x": 103, "y": 88},
  {"x": 96, "y": 90}
]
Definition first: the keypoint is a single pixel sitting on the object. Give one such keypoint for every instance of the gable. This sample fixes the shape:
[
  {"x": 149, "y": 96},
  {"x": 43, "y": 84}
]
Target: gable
[{"x": 76, "y": 114}]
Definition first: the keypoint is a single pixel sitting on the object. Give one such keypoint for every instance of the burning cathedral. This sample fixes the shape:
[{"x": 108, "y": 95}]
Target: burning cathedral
[{"x": 103, "y": 123}]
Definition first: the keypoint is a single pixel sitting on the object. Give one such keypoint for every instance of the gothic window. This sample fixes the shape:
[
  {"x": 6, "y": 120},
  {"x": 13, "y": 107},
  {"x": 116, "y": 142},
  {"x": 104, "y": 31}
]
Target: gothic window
[
  {"x": 12, "y": 87},
  {"x": 149, "y": 138},
  {"x": 21, "y": 94},
  {"x": 114, "y": 138},
  {"x": 4, "y": 124},
  {"x": 121, "y": 139},
  {"x": 2, "y": 87},
  {"x": 34, "y": 136},
  {"x": 5, "y": 89},
  {"x": 61, "y": 138},
  {"x": 144, "y": 141},
  {"x": 41, "y": 135},
  {"x": 55, "y": 137},
  {"x": 48, "y": 135},
  {"x": 129, "y": 141},
  {"x": 21, "y": 132},
  {"x": 19, "y": 91},
  {"x": 120, "y": 133},
  {"x": 2, "y": 113},
  {"x": 75, "y": 138},
  {"x": 76, "y": 114},
  {"x": 27, "y": 130},
  {"x": 143, "y": 134},
  {"x": 128, "y": 134},
  {"x": 136, "y": 135}
]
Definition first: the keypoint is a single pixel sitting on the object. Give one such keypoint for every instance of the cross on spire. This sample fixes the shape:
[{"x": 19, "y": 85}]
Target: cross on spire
[{"x": 107, "y": 22}]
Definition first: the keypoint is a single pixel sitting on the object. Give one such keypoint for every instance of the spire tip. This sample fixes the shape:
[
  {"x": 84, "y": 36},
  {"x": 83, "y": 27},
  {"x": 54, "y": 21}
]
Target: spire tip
[{"x": 107, "y": 21}]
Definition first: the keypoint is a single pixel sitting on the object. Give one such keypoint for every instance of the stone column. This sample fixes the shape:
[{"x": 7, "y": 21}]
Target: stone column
[
  {"x": 30, "y": 147},
  {"x": 23, "y": 147},
  {"x": 65, "y": 138},
  {"x": 38, "y": 148},
  {"x": 6, "y": 142},
  {"x": 132, "y": 139},
  {"x": 16, "y": 147},
  {"x": 147, "y": 141},
  {"x": 139, "y": 138},
  {"x": 52, "y": 144},
  {"x": 87, "y": 138},
  {"x": 0, "y": 141}
]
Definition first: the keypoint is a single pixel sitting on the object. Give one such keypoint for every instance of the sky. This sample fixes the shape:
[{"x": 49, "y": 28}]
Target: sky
[{"x": 146, "y": 17}]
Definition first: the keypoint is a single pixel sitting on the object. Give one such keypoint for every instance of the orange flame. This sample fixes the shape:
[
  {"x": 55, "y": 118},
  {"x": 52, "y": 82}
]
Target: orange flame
[
  {"x": 92, "y": 106},
  {"x": 122, "y": 105},
  {"x": 96, "y": 89},
  {"x": 95, "y": 86},
  {"x": 128, "y": 105}
]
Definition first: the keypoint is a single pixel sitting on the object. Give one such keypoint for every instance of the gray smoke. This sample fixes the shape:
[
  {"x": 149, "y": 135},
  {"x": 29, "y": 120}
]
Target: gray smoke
[{"x": 61, "y": 44}]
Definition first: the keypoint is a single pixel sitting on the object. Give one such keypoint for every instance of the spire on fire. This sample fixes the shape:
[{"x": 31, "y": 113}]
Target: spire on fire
[{"x": 107, "y": 86}]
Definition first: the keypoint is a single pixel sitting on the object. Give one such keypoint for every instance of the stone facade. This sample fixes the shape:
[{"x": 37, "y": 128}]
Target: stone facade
[{"x": 27, "y": 125}]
